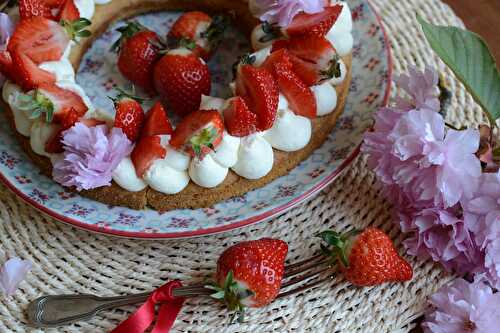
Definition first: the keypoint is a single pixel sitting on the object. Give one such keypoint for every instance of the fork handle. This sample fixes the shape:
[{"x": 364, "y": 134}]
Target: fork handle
[{"x": 52, "y": 311}]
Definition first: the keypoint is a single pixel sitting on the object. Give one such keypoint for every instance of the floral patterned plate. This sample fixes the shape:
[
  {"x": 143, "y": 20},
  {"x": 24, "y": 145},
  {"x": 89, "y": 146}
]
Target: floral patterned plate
[{"x": 370, "y": 89}]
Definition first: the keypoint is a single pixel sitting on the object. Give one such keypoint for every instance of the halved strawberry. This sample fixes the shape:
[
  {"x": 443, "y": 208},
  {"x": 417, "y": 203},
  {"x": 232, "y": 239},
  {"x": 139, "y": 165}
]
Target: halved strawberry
[
  {"x": 6, "y": 65},
  {"x": 260, "y": 91},
  {"x": 300, "y": 97},
  {"x": 238, "y": 119},
  {"x": 40, "y": 39},
  {"x": 198, "y": 133},
  {"x": 314, "y": 24},
  {"x": 69, "y": 11},
  {"x": 27, "y": 74},
  {"x": 145, "y": 152},
  {"x": 54, "y": 144},
  {"x": 279, "y": 44},
  {"x": 129, "y": 114},
  {"x": 34, "y": 8},
  {"x": 157, "y": 122}
]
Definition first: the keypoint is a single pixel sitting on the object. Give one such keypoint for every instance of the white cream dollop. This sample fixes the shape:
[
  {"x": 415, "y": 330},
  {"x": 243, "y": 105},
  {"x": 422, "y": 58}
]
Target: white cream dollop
[
  {"x": 126, "y": 177},
  {"x": 62, "y": 69},
  {"x": 344, "y": 21},
  {"x": 41, "y": 132},
  {"x": 326, "y": 98},
  {"x": 86, "y": 8},
  {"x": 101, "y": 2},
  {"x": 10, "y": 94},
  {"x": 255, "y": 157},
  {"x": 290, "y": 132},
  {"x": 162, "y": 177},
  {"x": 207, "y": 172},
  {"x": 340, "y": 35},
  {"x": 261, "y": 55},
  {"x": 226, "y": 154}
]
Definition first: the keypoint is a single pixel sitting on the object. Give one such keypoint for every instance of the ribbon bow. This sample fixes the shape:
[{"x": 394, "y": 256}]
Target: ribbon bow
[{"x": 141, "y": 319}]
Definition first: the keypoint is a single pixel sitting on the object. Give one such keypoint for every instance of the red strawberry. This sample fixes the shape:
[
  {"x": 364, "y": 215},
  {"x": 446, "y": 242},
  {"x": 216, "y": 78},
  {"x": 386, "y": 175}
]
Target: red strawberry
[
  {"x": 198, "y": 133},
  {"x": 34, "y": 8},
  {"x": 54, "y": 144},
  {"x": 157, "y": 122},
  {"x": 368, "y": 258},
  {"x": 145, "y": 152},
  {"x": 26, "y": 73},
  {"x": 238, "y": 119},
  {"x": 6, "y": 65},
  {"x": 314, "y": 57},
  {"x": 250, "y": 273},
  {"x": 56, "y": 103},
  {"x": 129, "y": 115},
  {"x": 138, "y": 53},
  {"x": 301, "y": 99},
  {"x": 260, "y": 91},
  {"x": 181, "y": 78},
  {"x": 69, "y": 11},
  {"x": 314, "y": 24},
  {"x": 40, "y": 39},
  {"x": 200, "y": 29}
]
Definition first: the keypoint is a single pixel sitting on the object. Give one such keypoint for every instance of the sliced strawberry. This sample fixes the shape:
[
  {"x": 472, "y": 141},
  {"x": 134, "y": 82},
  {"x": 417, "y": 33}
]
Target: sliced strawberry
[
  {"x": 279, "y": 44},
  {"x": 34, "y": 8},
  {"x": 40, "y": 39},
  {"x": 69, "y": 11},
  {"x": 261, "y": 93},
  {"x": 199, "y": 133},
  {"x": 145, "y": 152},
  {"x": 157, "y": 122},
  {"x": 238, "y": 119},
  {"x": 314, "y": 24},
  {"x": 129, "y": 115},
  {"x": 307, "y": 71},
  {"x": 54, "y": 144},
  {"x": 6, "y": 65},
  {"x": 190, "y": 25},
  {"x": 53, "y": 99},
  {"x": 301, "y": 99},
  {"x": 27, "y": 74}
]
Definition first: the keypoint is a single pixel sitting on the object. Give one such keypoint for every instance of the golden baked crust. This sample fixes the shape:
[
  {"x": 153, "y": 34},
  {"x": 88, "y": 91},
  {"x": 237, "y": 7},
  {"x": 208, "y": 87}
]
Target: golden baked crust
[{"x": 193, "y": 196}]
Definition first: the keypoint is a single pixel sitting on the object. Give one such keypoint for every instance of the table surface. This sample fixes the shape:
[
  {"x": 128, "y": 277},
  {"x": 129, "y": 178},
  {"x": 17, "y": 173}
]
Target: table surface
[{"x": 480, "y": 16}]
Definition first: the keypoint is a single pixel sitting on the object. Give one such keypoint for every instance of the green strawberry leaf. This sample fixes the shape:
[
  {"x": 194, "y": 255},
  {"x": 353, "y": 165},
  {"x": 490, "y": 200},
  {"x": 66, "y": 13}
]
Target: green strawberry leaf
[{"x": 468, "y": 56}]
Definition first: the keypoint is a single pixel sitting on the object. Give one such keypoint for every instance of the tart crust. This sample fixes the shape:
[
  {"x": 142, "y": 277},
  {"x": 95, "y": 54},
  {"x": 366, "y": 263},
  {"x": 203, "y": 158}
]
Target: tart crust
[{"x": 193, "y": 196}]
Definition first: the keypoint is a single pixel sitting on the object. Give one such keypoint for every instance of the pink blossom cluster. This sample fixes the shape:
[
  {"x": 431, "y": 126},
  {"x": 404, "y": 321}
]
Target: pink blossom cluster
[{"x": 448, "y": 207}]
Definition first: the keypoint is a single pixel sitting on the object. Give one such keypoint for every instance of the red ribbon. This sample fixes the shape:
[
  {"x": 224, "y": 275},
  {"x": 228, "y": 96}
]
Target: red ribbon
[{"x": 140, "y": 320}]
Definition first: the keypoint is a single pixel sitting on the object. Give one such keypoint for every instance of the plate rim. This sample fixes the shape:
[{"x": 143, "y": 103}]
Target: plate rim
[{"x": 266, "y": 216}]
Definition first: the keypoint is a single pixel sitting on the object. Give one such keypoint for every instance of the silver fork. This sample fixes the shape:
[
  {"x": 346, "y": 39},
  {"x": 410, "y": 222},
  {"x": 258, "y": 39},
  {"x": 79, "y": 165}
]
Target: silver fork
[{"x": 59, "y": 310}]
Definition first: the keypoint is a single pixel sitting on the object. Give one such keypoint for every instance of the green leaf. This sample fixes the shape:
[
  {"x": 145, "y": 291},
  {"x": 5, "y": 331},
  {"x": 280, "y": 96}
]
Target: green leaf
[{"x": 468, "y": 56}]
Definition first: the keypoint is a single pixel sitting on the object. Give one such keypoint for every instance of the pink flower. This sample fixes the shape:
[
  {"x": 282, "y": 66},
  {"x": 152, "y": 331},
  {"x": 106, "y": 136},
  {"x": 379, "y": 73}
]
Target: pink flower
[
  {"x": 90, "y": 156},
  {"x": 282, "y": 12},
  {"x": 12, "y": 273},
  {"x": 6, "y": 30},
  {"x": 464, "y": 307},
  {"x": 441, "y": 235},
  {"x": 421, "y": 87}
]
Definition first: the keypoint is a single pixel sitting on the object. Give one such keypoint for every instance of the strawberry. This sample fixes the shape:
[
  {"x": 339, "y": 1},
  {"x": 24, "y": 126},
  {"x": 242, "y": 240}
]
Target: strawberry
[
  {"x": 145, "y": 152},
  {"x": 26, "y": 73},
  {"x": 42, "y": 40},
  {"x": 139, "y": 50},
  {"x": 260, "y": 91},
  {"x": 314, "y": 59},
  {"x": 200, "y": 30},
  {"x": 249, "y": 274},
  {"x": 54, "y": 144},
  {"x": 34, "y": 8},
  {"x": 129, "y": 114},
  {"x": 238, "y": 119},
  {"x": 314, "y": 24},
  {"x": 367, "y": 258},
  {"x": 69, "y": 11},
  {"x": 198, "y": 133},
  {"x": 301, "y": 99},
  {"x": 181, "y": 77},
  {"x": 157, "y": 122},
  {"x": 6, "y": 65}
]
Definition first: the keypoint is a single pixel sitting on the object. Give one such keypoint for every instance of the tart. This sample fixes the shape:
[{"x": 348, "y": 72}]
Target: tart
[{"x": 240, "y": 158}]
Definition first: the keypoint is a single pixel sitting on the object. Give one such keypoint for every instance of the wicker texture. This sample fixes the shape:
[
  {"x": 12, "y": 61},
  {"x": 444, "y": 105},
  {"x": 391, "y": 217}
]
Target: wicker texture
[{"x": 67, "y": 260}]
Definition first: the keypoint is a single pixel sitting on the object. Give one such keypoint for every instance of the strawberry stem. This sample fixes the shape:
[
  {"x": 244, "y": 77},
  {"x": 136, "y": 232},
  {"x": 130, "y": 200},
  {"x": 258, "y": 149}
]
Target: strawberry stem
[
  {"x": 215, "y": 31},
  {"x": 231, "y": 293},
  {"x": 38, "y": 104},
  {"x": 77, "y": 28},
  {"x": 205, "y": 138},
  {"x": 271, "y": 31},
  {"x": 127, "y": 31},
  {"x": 334, "y": 71},
  {"x": 337, "y": 245},
  {"x": 122, "y": 94}
]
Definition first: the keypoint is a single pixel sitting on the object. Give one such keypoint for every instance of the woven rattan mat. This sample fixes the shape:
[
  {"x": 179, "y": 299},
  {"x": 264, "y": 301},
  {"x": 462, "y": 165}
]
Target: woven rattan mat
[{"x": 67, "y": 260}]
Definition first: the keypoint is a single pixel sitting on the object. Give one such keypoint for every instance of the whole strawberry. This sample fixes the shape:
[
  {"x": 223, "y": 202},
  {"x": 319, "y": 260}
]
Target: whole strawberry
[
  {"x": 129, "y": 114},
  {"x": 367, "y": 258},
  {"x": 180, "y": 78},
  {"x": 138, "y": 50},
  {"x": 249, "y": 274}
]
